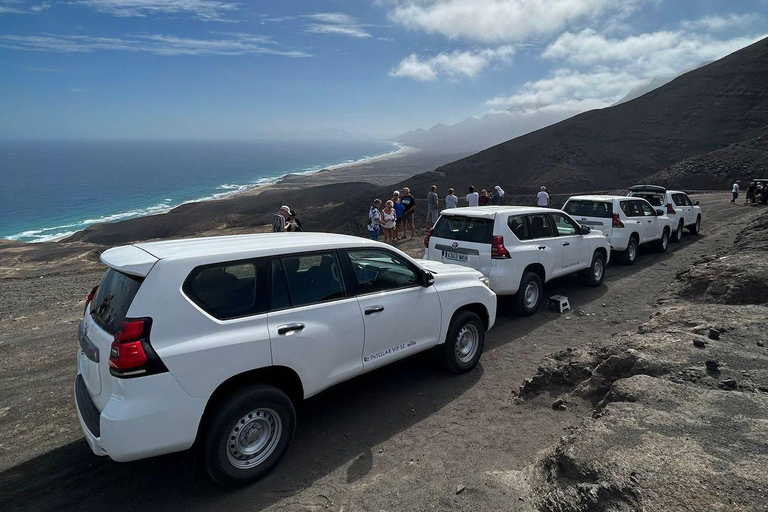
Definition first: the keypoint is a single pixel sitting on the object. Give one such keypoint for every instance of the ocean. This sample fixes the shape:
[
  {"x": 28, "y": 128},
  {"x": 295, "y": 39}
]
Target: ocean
[{"x": 53, "y": 189}]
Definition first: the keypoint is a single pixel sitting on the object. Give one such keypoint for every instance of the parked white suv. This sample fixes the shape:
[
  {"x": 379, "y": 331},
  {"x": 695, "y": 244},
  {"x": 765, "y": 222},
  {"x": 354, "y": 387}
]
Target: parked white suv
[
  {"x": 627, "y": 222},
  {"x": 519, "y": 248},
  {"x": 682, "y": 212},
  {"x": 214, "y": 339}
]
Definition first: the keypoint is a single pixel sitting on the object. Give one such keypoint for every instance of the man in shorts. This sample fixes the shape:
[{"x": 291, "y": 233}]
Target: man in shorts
[
  {"x": 409, "y": 212},
  {"x": 433, "y": 207}
]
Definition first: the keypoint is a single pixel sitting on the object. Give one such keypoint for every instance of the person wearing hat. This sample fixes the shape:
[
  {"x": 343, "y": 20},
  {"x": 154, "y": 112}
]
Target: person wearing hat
[
  {"x": 278, "y": 219},
  {"x": 497, "y": 195},
  {"x": 542, "y": 198}
]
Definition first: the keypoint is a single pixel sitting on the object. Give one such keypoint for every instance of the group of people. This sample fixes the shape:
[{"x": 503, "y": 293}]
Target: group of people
[
  {"x": 397, "y": 217},
  {"x": 757, "y": 193},
  {"x": 285, "y": 220}
]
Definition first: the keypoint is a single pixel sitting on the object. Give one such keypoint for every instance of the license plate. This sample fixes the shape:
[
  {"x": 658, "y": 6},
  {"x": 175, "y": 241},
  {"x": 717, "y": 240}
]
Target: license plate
[{"x": 454, "y": 256}]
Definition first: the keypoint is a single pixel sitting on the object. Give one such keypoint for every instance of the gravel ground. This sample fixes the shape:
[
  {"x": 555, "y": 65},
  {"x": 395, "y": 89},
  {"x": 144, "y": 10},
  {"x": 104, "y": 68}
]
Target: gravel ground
[{"x": 408, "y": 436}]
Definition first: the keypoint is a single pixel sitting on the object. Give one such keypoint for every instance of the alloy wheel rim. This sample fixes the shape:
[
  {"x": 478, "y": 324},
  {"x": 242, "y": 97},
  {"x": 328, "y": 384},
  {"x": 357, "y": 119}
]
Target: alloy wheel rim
[
  {"x": 466, "y": 343},
  {"x": 632, "y": 250},
  {"x": 664, "y": 240},
  {"x": 531, "y": 294},
  {"x": 253, "y": 438},
  {"x": 597, "y": 271}
]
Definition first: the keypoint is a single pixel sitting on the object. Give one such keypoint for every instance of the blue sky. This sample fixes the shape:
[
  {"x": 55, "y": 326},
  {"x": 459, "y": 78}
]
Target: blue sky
[{"x": 228, "y": 69}]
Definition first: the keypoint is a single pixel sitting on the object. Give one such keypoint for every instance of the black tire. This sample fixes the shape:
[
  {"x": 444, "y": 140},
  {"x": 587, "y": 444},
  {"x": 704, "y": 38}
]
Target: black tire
[
  {"x": 594, "y": 275},
  {"x": 268, "y": 408},
  {"x": 464, "y": 343},
  {"x": 662, "y": 243},
  {"x": 523, "y": 304},
  {"x": 695, "y": 228},
  {"x": 629, "y": 256},
  {"x": 677, "y": 236}
]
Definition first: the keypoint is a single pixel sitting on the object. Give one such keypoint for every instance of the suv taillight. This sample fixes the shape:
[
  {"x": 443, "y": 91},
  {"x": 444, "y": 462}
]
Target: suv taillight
[
  {"x": 616, "y": 221},
  {"x": 498, "y": 251},
  {"x": 670, "y": 209},
  {"x": 90, "y": 298},
  {"x": 131, "y": 355},
  {"x": 426, "y": 238}
]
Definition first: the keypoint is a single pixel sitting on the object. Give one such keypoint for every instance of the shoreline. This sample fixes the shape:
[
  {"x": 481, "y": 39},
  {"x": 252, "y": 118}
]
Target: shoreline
[{"x": 227, "y": 191}]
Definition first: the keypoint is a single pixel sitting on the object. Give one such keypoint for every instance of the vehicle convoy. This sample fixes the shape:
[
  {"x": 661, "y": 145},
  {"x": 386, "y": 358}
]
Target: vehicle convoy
[
  {"x": 518, "y": 248},
  {"x": 213, "y": 340},
  {"x": 627, "y": 222},
  {"x": 682, "y": 212}
]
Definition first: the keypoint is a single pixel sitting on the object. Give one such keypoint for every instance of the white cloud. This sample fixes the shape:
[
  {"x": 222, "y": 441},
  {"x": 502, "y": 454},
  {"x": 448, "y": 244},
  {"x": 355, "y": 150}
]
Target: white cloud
[
  {"x": 337, "y": 24},
  {"x": 206, "y": 10},
  {"x": 717, "y": 23},
  {"x": 502, "y": 20},
  {"x": 455, "y": 64},
  {"x": 22, "y": 7},
  {"x": 159, "y": 44}
]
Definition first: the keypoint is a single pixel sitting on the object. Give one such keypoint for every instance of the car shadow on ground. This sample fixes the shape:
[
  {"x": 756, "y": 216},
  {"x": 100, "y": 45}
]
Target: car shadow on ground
[{"x": 339, "y": 426}]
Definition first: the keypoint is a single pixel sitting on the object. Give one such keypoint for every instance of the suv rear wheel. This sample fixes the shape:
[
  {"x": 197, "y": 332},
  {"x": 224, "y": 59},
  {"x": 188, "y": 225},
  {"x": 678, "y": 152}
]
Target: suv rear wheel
[
  {"x": 695, "y": 228},
  {"x": 248, "y": 435},
  {"x": 594, "y": 275},
  {"x": 677, "y": 236},
  {"x": 464, "y": 343},
  {"x": 629, "y": 256},
  {"x": 528, "y": 297},
  {"x": 663, "y": 242}
]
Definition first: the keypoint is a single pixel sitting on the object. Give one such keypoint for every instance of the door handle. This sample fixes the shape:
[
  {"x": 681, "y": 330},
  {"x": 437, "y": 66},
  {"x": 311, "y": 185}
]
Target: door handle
[
  {"x": 287, "y": 328},
  {"x": 566, "y": 243},
  {"x": 542, "y": 247},
  {"x": 374, "y": 309}
]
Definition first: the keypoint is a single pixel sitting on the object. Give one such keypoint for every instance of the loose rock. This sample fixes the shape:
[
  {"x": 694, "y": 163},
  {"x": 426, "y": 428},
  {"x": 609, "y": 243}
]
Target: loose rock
[
  {"x": 730, "y": 384},
  {"x": 460, "y": 489},
  {"x": 760, "y": 343},
  {"x": 559, "y": 404},
  {"x": 714, "y": 334},
  {"x": 698, "y": 342},
  {"x": 713, "y": 365}
]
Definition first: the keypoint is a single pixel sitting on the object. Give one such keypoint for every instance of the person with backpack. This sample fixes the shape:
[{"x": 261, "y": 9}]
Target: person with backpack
[{"x": 374, "y": 220}]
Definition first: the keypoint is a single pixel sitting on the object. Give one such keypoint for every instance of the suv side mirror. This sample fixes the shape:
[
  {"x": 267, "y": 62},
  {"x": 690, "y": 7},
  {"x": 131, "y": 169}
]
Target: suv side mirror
[
  {"x": 695, "y": 203},
  {"x": 585, "y": 230},
  {"x": 659, "y": 213},
  {"x": 427, "y": 279}
]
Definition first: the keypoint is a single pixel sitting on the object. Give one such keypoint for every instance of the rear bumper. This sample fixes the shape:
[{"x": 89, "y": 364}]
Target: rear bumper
[{"x": 144, "y": 417}]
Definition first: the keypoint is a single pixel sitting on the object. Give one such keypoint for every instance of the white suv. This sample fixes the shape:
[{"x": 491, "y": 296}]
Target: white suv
[
  {"x": 627, "y": 222},
  {"x": 682, "y": 212},
  {"x": 214, "y": 339},
  {"x": 519, "y": 248}
]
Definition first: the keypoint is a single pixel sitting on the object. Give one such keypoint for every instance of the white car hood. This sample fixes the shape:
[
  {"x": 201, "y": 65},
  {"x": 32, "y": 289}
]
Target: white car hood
[{"x": 446, "y": 268}]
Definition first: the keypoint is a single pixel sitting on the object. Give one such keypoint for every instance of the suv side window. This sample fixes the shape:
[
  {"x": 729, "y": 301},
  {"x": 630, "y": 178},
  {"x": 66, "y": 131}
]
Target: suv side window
[
  {"x": 519, "y": 227},
  {"x": 565, "y": 225},
  {"x": 540, "y": 226},
  {"x": 686, "y": 200},
  {"x": 311, "y": 278},
  {"x": 227, "y": 290},
  {"x": 378, "y": 270},
  {"x": 647, "y": 210}
]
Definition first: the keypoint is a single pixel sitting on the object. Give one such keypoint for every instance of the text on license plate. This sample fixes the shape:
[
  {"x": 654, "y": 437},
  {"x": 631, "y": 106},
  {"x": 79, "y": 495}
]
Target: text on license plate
[{"x": 454, "y": 256}]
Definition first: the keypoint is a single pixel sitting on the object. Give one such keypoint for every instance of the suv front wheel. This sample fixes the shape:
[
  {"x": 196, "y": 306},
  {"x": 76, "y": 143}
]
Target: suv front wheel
[
  {"x": 464, "y": 343},
  {"x": 528, "y": 297},
  {"x": 248, "y": 435}
]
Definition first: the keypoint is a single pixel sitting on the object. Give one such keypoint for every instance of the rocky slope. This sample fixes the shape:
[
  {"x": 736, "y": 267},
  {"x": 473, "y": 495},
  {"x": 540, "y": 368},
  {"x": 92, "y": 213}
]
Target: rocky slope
[{"x": 680, "y": 406}]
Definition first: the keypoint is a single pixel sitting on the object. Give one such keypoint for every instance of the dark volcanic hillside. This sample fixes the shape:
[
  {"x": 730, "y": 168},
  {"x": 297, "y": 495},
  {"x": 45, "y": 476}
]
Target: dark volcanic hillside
[{"x": 701, "y": 111}]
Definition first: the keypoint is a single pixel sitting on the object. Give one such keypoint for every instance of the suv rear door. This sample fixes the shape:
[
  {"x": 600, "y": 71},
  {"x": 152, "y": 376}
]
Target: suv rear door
[
  {"x": 684, "y": 207},
  {"x": 597, "y": 214},
  {"x": 463, "y": 240},
  {"x": 635, "y": 221}
]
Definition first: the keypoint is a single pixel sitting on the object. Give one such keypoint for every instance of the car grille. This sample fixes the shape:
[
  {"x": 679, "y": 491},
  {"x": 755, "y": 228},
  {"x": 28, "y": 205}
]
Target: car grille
[{"x": 88, "y": 411}]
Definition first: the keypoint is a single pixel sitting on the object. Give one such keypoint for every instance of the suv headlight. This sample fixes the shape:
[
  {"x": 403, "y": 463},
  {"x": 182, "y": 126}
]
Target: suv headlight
[{"x": 485, "y": 281}]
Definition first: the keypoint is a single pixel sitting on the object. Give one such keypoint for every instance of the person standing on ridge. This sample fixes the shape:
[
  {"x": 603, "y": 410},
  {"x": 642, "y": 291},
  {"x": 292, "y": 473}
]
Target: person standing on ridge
[
  {"x": 278, "y": 219},
  {"x": 294, "y": 223},
  {"x": 750, "y": 199},
  {"x": 498, "y": 193},
  {"x": 735, "y": 192},
  {"x": 542, "y": 198},
  {"x": 483, "y": 200},
  {"x": 374, "y": 220},
  {"x": 433, "y": 207},
  {"x": 409, "y": 212},
  {"x": 473, "y": 197},
  {"x": 388, "y": 218},
  {"x": 398, "y": 206},
  {"x": 451, "y": 201}
]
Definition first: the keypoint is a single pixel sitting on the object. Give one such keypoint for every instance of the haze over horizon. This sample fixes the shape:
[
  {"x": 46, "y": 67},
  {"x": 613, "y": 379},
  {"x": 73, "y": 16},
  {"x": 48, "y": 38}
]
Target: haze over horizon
[{"x": 199, "y": 69}]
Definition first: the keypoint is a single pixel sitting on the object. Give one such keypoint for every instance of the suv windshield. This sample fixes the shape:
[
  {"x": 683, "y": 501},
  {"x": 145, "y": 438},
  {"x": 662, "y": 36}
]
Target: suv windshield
[
  {"x": 113, "y": 298},
  {"x": 586, "y": 208},
  {"x": 466, "y": 229}
]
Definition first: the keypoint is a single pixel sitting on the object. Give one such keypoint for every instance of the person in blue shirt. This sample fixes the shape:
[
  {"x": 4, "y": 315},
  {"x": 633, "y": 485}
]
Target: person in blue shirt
[{"x": 399, "y": 209}]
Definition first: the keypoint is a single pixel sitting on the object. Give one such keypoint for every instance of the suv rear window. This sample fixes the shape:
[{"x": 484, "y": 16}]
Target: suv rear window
[
  {"x": 586, "y": 208},
  {"x": 654, "y": 199},
  {"x": 465, "y": 229},
  {"x": 113, "y": 298}
]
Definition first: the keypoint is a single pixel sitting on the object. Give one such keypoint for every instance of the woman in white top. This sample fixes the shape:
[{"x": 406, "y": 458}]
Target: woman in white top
[{"x": 388, "y": 218}]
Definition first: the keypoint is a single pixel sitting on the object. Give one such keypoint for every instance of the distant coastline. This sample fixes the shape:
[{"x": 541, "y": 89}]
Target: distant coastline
[{"x": 226, "y": 190}]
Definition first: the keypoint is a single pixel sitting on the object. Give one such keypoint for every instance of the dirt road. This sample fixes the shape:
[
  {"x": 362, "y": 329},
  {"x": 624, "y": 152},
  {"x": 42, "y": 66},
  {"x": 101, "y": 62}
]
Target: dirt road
[{"x": 406, "y": 437}]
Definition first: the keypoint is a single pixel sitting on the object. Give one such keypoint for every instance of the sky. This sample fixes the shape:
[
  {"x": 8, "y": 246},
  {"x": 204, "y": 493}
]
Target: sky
[{"x": 221, "y": 69}]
